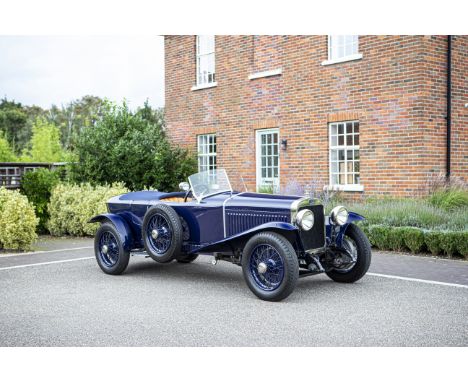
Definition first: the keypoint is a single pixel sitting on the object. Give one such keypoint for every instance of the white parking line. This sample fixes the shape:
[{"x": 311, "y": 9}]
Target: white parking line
[
  {"x": 50, "y": 251},
  {"x": 417, "y": 280},
  {"x": 46, "y": 263}
]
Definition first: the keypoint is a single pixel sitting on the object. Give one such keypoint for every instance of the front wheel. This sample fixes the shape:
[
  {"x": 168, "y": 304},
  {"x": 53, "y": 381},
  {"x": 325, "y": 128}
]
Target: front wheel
[
  {"x": 270, "y": 266},
  {"x": 111, "y": 256},
  {"x": 357, "y": 244}
]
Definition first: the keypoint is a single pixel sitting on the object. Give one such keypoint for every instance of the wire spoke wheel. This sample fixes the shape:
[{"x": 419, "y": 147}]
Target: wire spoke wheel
[
  {"x": 108, "y": 249},
  {"x": 159, "y": 234},
  {"x": 267, "y": 267}
]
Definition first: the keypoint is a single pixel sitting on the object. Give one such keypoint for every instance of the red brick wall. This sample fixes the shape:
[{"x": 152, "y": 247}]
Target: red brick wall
[
  {"x": 396, "y": 91},
  {"x": 459, "y": 111}
]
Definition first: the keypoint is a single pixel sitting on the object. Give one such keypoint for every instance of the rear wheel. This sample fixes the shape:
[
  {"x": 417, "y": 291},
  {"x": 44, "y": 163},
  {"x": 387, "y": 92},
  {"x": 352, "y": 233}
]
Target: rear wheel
[
  {"x": 162, "y": 233},
  {"x": 111, "y": 256},
  {"x": 357, "y": 244},
  {"x": 270, "y": 266}
]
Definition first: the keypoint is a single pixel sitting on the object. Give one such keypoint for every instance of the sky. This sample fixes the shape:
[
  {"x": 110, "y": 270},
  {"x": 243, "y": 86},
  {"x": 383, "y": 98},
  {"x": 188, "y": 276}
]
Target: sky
[{"x": 46, "y": 70}]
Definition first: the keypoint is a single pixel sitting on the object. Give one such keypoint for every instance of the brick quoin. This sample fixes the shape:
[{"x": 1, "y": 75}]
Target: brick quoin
[{"x": 397, "y": 91}]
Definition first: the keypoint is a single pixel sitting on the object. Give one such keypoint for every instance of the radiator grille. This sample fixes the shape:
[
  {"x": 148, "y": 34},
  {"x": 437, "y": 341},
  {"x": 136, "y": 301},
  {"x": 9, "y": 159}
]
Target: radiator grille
[
  {"x": 242, "y": 220},
  {"x": 315, "y": 238}
]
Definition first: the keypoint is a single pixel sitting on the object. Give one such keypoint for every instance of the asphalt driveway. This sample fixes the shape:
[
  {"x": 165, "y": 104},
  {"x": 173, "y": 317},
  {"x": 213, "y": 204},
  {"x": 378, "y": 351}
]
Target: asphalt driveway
[{"x": 60, "y": 297}]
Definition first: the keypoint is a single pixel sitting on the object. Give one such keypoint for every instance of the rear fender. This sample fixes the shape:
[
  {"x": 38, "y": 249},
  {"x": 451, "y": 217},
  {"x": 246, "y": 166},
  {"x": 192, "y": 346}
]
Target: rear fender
[
  {"x": 120, "y": 225},
  {"x": 289, "y": 231}
]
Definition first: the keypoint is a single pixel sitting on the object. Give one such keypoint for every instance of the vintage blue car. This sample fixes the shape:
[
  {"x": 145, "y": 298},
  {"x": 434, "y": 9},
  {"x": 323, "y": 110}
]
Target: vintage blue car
[{"x": 275, "y": 238}]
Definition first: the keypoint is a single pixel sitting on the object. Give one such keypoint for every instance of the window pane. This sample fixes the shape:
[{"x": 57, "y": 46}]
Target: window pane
[
  {"x": 341, "y": 155},
  {"x": 340, "y": 140},
  {"x": 334, "y": 167},
  {"x": 356, "y": 140},
  {"x": 349, "y": 128},
  {"x": 341, "y": 128},
  {"x": 356, "y": 127},
  {"x": 334, "y": 155},
  {"x": 334, "y": 141},
  {"x": 349, "y": 140},
  {"x": 334, "y": 129},
  {"x": 350, "y": 179}
]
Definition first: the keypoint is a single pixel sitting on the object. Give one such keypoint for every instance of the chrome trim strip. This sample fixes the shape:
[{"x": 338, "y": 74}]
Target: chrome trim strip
[
  {"x": 302, "y": 202},
  {"x": 224, "y": 210}
]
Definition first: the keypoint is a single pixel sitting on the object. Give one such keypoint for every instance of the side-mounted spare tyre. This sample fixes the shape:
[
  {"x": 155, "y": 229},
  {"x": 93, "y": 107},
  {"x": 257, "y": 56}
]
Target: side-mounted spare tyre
[{"x": 162, "y": 233}]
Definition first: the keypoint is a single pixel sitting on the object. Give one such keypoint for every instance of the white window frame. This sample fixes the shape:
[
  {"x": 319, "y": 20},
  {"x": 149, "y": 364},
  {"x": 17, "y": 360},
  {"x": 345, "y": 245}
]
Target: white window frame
[
  {"x": 346, "y": 186},
  {"x": 348, "y": 57},
  {"x": 258, "y": 158},
  {"x": 204, "y": 144},
  {"x": 203, "y": 83}
]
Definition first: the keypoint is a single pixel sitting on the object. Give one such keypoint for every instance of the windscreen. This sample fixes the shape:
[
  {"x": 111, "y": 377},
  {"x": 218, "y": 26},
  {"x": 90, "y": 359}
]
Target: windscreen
[{"x": 209, "y": 182}]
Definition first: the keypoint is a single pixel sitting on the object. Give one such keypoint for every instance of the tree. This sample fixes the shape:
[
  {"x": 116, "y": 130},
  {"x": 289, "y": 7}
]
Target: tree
[
  {"x": 74, "y": 117},
  {"x": 125, "y": 147},
  {"x": 45, "y": 143},
  {"x": 13, "y": 124},
  {"x": 6, "y": 153}
]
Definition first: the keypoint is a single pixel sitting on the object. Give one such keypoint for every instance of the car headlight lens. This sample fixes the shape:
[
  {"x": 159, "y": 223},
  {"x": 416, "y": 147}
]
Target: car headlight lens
[
  {"x": 305, "y": 219},
  {"x": 339, "y": 215}
]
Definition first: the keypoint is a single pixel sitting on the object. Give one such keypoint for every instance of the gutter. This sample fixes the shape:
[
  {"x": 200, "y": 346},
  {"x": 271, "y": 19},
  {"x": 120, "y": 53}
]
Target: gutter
[{"x": 449, "y": 105}]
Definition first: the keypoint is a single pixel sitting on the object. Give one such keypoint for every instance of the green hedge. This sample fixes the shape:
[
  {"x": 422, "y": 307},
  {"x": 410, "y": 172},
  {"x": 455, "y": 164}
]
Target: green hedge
[
  {"x": 71, "y": 206},
  {"x": 37, "y": 186},
  {"x": 416, "y": 240},
  {"x": 17, "y": 221}
]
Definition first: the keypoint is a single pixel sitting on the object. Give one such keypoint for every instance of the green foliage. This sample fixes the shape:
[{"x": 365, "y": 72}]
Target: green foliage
[
  {"x": 37, "y": 186},
  {"x": 380, "y": 235},
  {"x": 130, "y": 148},
  {"x": 6, "y": 153},
  {"x": 74, "y": 117},
  {"x": 13, "y": 124},
  {"x": 450, "y": 199},
  {"x": 462, "y": 244},
  {"x": 411, "y": 213},
  {"x": 433, "y": 241},
  {"x": 45, "y": 143},
  {"x": 395, "y": 237},
  {"x": 265, "y": 189},
  {"x": 17, "y": 221},
  {"x": 448, "y": 243},
  {"x": 71, "y": 206},
  {"x": 413, "y": 239}
]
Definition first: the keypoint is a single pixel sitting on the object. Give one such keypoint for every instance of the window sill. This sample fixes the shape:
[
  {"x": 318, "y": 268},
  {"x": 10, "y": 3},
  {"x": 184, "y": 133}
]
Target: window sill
[
  {"x": 267, "y": 73},
  {"x": 353, "y": 57},
  {"x": 204, "y": 86},
  {"x": 344, "y": 187}
]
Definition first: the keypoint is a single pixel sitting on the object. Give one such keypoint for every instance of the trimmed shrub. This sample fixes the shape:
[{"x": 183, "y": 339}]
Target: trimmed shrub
[
  {"x": 379, "y": 234},
  {"x": 37, "y": 186},
  {"x": 448, "y": 243},
  {"x": 433, "y": 241},
  {"x": 395, "y": 237},
  {"x": 413, "y": 239},
  {"x": 17, "y": 221},
  {"x": 462, "y": 243},
  {"x": 71, "y": 206}
]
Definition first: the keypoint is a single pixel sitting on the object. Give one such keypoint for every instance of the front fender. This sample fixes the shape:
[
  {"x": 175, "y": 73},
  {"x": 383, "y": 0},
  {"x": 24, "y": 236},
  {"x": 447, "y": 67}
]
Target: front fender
[
  {"x": 352, "y": 217},
  {"x": 120, "y": 225},
  {"x": 289, "y": 231}
]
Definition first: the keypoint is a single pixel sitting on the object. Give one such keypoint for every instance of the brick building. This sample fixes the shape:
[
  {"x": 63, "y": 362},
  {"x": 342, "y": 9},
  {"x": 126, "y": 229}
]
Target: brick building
[{"x": 364, "y": 114}]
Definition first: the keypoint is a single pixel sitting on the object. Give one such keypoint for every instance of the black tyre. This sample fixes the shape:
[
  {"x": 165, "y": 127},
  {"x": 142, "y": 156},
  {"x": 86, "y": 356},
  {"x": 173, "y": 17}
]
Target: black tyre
[
  {"x": 162, "y": 233},
  {"x": 111, "y": 256},
  {"x": 270, "y": 266},
  {"x": 186, "y": 258},
  {"x": 354, "y": 240}
]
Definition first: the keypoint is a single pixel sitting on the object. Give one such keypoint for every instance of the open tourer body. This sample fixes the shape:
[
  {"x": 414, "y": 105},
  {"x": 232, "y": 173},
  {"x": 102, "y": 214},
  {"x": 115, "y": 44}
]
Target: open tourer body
[{"x": 275, "y": 238}]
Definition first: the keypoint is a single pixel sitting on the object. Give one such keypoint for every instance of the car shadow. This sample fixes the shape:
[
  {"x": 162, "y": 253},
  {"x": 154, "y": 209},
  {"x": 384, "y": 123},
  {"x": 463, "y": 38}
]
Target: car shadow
[{"x": 226, "y": 275}]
